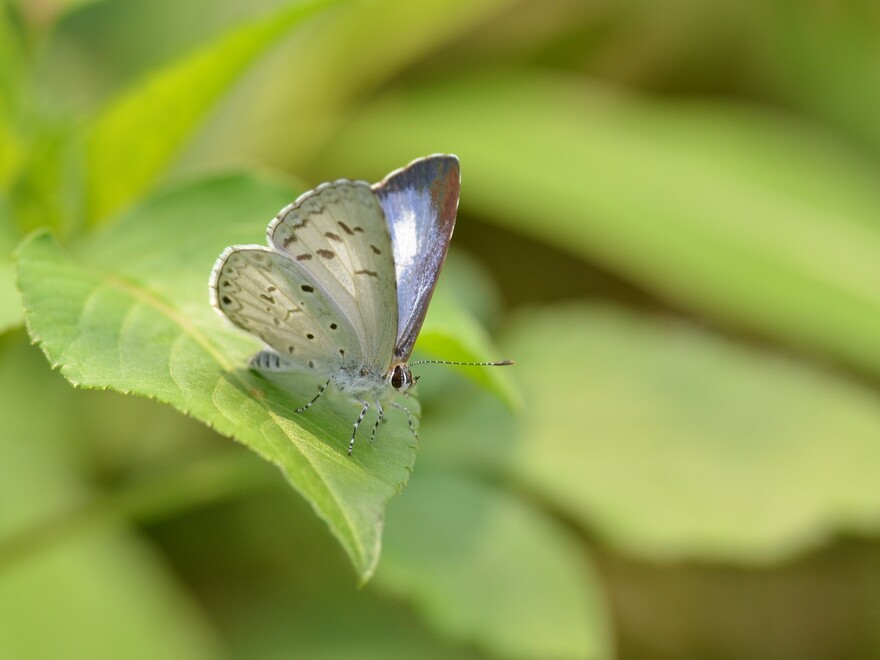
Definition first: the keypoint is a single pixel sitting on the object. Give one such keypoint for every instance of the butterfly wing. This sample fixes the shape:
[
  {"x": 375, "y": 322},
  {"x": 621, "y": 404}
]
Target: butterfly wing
[
  {"x": 420, "y": 202},
  {"x": 337, "y": 236},
  {"x": 266, "y": 293}
]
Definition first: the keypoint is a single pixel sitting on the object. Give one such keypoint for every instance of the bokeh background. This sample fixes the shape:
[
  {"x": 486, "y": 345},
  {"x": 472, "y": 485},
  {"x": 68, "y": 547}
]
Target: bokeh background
[{"x": 670, "y": 218}]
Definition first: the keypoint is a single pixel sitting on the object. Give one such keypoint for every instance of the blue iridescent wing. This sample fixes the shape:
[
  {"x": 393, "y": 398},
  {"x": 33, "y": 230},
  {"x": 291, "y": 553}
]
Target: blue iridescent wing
[{"x": 420, "y": 202}]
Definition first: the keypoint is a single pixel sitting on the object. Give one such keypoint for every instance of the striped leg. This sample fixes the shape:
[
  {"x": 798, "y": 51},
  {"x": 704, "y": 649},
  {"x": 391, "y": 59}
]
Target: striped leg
[
  {"x": 317, "y": 396},
  {"x": 408, "y": 419},
  {"x": 378, "y": 419},
  {"x": 357, "y": 424}
]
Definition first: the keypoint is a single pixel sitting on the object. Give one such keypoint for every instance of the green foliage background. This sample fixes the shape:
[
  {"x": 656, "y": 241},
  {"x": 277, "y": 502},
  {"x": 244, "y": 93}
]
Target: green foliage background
[{"x": 670, "y": 218}]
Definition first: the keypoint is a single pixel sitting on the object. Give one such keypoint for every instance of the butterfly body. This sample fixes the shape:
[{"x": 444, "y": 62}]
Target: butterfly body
[
  {"x": 343, "y": 286},
  {"x": 359, "y": 379}
]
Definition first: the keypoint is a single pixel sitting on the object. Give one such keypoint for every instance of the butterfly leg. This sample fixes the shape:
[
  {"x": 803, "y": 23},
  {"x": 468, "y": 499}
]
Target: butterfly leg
[
  {"x": 408, "y": 419},
  {"x": 378, "y": 419},
  {"x": 357, "y": 424},
  {"x": 317, "y": 396}
]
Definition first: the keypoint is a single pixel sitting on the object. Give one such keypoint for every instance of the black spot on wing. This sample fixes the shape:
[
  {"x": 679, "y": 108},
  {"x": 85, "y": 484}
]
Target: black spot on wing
[
  {"x": 375, "y": 249},
  {"x": 303, "y": 257},
  {"x": 346, "y": 228},
  {"x": 308, "y": 288},
  {"x": 371, "y": 273},
  {"x": 327, "y": 254},
  {"x": 333, "y": 237}
]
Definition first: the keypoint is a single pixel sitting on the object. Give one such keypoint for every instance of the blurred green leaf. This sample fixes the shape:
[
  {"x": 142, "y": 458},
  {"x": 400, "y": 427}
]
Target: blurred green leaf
[
  {"x": 10, "y": 300},
  {"x": 485, "y": 568},
  {"x": 346, "y": 57},
  {"x": 10, "y": 143},
  {"x": 10, "y": 152},
  {"x": 822, "y": 58},
  {"x": 672, "y": 443},
  {"x": 452, "y": 334},
  {"x": 102, "y": 595},
  {"x": 11, "y": 65},
  {"x": 470, "y": 283},
  {"x": 133, "y": 139},
  {"x": 732, "y": 212},
  {"x": 131, "y": 313},
  {"x": 276, "y": 581}
]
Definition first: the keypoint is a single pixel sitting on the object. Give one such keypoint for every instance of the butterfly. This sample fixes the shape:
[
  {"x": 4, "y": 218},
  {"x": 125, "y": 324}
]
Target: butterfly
[{"x": 342, "y": 289}]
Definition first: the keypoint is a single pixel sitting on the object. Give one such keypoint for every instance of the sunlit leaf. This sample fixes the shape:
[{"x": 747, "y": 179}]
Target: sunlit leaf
[
  {"x": 130, "y": 312},
  {"x": 737, "y": 214},
  {"x": 487, "y": 569},
  {"x": 675, "y": 444},
  {"x": 133, "y": 139}
]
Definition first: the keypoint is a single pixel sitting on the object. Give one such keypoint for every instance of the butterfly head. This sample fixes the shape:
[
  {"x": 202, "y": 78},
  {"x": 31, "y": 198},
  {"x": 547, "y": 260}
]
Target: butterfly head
[{"x": 401, "y": 378}]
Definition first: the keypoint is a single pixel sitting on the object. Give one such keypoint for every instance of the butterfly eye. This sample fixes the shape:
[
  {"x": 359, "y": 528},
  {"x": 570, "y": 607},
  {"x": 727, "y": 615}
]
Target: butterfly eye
[
  {"x": 398, "y": 378},
  {"x": 401, "y": 377}
]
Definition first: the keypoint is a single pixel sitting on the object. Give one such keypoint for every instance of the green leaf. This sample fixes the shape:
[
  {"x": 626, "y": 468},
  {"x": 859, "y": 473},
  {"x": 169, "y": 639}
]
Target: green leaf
[
  {"x": 740, "y": 215},
  {"x": 10, "y": 300},
  {"x": 10, "y": 98},
  {"x": 132, "y": 140},
  {"x": 276, "y": 581},
  {"x": 11, "y": 68},
  {"x": 346, "y": 57},
  {"x": 130, "y": 312},
  {"x": 485, "y": 568},
  {"x": 451, "y": 333},
  {"x": 672, "y": 443},
  {"x": 833, "y": 77},
  {"x": 105, "y": 594},
  {"x": 471, "y": 285}
]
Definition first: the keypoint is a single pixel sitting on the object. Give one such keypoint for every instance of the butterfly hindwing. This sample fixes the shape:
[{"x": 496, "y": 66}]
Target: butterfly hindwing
[
  {"x": 420, "y": 202},
  {"x": 338, "y": 236},
  {"x": 266, "y": 293}
]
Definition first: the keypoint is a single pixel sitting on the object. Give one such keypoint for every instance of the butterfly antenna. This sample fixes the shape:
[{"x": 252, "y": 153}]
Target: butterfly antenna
[{"x": 503, "y": 363}]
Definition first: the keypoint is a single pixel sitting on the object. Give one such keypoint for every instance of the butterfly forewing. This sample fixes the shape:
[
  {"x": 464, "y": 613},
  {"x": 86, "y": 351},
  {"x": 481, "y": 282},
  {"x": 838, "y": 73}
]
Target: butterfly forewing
[
  {"x": 266, "y": 293},
  {"x": 338, "y": 235},
  {"x": 420, "y": 202}
]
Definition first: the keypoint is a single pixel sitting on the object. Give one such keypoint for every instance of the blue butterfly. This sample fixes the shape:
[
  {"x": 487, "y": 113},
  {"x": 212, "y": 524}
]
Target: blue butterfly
[{"x": 343, "y": 287}]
